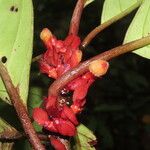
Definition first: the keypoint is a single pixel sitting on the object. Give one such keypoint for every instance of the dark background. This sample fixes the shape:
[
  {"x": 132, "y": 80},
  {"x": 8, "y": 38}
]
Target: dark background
[{"x": 117, "y": 108}]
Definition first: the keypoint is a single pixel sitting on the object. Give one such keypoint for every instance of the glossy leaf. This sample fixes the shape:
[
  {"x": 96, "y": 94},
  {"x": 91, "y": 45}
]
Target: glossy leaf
[
  {"x": 140, "y": 27},
  {"x": 112, "y": 8},
  {"x": 85, "y": 139},
  {"x": 16, "y": 30},
  {"x": 88, "y": 2},
  {"x": 5, "y": 128}
]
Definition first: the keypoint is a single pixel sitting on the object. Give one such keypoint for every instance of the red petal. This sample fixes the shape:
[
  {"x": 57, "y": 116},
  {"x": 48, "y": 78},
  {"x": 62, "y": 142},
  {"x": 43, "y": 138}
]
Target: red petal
[
  {"x": 81, "y": 91},
  {"x": 44, "y": 67},
  {"x": 49, "y": 125},
  {"x": 74, "y": 84},
  {"x": 67, "y": 113},
  {"x": 50, "y": 102},
  {"x": 50, "y": 105},
  {"x": 76, "y": 109},
  {"x": 40, "y": 116},
  {"x": 57, "y": 144},
  {"x": 59, "y": 45},
  {"x": 75, "y": 43},
  {"x": 65, "y": 127},
  {"x": 72, "y": 41}
]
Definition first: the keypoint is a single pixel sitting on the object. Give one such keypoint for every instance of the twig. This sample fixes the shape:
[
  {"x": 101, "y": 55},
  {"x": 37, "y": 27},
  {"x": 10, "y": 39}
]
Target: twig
[
  {"x": 18, "y": 135},
  {"x": 20, "y": 109},
  {"x": 83, "y": 67},
  {"x": 75, "y": 20},
  {"x": 10, "y": 135},
  {"x": 36, "y": 58},
  {"x": 104, "y": 25}
]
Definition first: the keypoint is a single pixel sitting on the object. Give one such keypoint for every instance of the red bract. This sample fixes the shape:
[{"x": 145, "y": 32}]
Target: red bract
[
  {"x": 56, "y": 119},
  {"x": 80, "y": 87},
  {"x": 60, "y": 56},
  {"x": 67, "y": 113},
  {"x": 40, "y": 116},
  {"x": 57, "y": 144},
  {"x": 64, "y": 127}
]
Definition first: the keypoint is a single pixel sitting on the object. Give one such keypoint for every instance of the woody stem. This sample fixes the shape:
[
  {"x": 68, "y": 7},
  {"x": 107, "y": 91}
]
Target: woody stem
[
  {"x": 15, "y": 136},
  {"x": 20, "y": 109},
  {"x": 106, "y": 24},
  {"x": 75, "y": 20}
]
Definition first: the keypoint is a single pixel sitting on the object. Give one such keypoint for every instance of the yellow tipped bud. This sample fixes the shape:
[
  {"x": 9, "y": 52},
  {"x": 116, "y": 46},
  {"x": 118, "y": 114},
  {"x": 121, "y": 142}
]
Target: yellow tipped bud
[
  {"x": 45, "y": 34},
  {"x": 98, "y": 67},
  {"x": 79, "y": 55}
]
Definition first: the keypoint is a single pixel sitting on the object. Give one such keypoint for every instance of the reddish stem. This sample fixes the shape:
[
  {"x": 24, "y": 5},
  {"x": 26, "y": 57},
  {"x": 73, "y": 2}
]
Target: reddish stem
[
  {"x": 106, "y": 24},
  {"x": 83, "y": 67},
  {"x": 20, "y": 109},
  {"x": 75, "y": 20}
]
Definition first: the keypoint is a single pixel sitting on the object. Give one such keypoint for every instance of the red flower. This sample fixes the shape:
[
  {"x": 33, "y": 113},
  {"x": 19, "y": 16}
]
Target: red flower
[
  {"x": 67, "y": 113},
  {"x": 64, "y": 127},
  {"x": 57, "y": 144},
  {"x": 80, "y": 86},
  {"x": 60, "y": 56},
  {"x": 56, "y": 119}
]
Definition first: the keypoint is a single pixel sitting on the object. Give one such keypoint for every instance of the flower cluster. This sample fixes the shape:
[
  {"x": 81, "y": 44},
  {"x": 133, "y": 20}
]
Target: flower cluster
[
  {"x": 56, "y": 115},
  {"x": 60, "y": 55}
]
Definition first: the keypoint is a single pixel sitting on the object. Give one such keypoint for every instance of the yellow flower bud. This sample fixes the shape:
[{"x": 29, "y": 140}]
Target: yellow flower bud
[
  {"x": 79, "y": 55},
  {"x": 45, "y": 34},
  {"x": 98, "y": 67}
]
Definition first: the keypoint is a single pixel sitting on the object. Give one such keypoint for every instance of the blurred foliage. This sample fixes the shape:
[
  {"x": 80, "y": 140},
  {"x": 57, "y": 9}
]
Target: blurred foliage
[
  {"x": 116, "y": 103},
  {"x": 16, "y": 45},
  {"x": 84, "y": 139}
]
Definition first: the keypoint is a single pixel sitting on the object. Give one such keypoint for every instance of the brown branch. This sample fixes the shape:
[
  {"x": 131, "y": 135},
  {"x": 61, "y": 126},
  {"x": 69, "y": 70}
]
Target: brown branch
[
  {"x": 75, "y": 21},
  {"x": 106, "y": 24},
  {"x": 11, "y": 136},
  {"x": 20, "y": 109},
  {"x": 83, "y": 67}
]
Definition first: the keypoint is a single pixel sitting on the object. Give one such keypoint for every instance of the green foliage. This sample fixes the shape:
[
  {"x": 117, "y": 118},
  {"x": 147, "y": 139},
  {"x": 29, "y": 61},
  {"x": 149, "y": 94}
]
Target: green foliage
[
  {"x": 35, "y": 98},
  {"x": 112, "y": 8},
  {"x": 84, "y": 138},
  {"x": 16, "y": 30},
  {"x": 140, "y": 27},
  {"x": 119, "y": 100}
]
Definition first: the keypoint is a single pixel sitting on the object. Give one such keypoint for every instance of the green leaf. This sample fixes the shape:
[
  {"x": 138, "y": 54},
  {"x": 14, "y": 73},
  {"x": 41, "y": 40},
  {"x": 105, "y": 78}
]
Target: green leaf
[
  {"x": 16, "y": 30},
  {"x": 5, "y": 128},
  {"x": 35, "y": 98},
  {"x": 112, "y": 8},
  {"x": 140, "y": 27},
  {"x": 88, "y": 2},
  {"x": 85, "y": 139}
]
